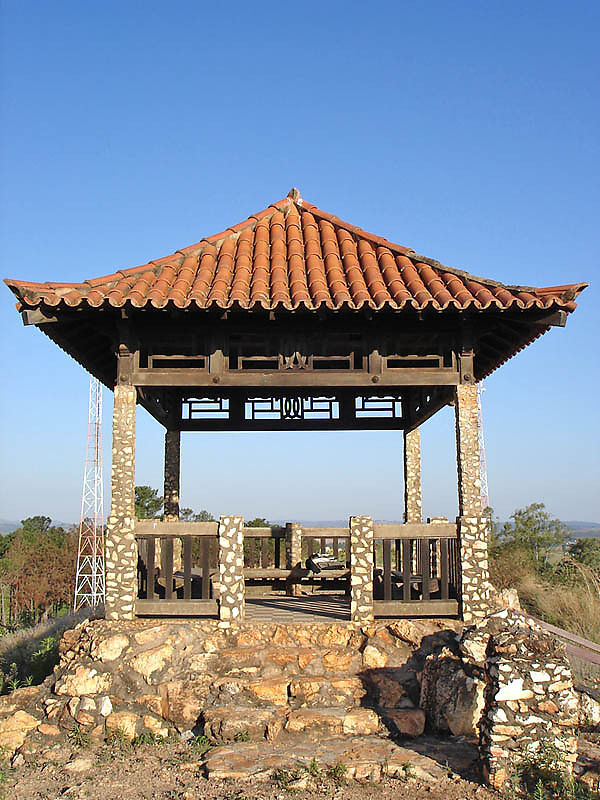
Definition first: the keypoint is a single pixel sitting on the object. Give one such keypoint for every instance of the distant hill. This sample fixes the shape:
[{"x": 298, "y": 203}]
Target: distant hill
[
  {"x": 583, "y": 530},
  {"x": 7, "y": 526}
]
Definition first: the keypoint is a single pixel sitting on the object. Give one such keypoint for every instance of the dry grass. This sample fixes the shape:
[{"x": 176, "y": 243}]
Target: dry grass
[
  {"x": 19, "y": 648},
  {"x": 569, "y": 599}
]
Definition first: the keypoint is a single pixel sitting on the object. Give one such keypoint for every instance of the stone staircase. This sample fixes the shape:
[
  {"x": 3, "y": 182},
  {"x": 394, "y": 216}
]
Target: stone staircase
[{"x": 319, "y": 680}]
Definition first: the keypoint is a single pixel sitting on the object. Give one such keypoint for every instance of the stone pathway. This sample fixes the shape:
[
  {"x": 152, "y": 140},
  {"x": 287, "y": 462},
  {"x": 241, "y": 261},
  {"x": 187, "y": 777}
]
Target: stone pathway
[{"x": 364, "y": 757}]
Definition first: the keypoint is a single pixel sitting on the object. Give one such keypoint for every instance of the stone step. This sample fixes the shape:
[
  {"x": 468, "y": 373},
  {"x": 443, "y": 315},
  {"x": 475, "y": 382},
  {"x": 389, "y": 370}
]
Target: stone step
[
  {"x": 379, "y": 687},
  {"x": 231, "y": 724},
  {"x": 372, "y": 757}
]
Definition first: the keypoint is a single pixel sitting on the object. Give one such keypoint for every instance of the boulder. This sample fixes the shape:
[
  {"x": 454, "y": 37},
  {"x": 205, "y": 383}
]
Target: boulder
[
  {"x": 14, "y": 730},
  {"x": 110, "y": 649},
  {"x": 84, "y": 680},
  {"x": 589, "y": 710},
  {"x": 225, "y": 724},
  {"x": 361, "y": 722},
  {"x": 405, "y": 721},
  {"x": 273, "y": 691},
  {"x": 125, "y": 722},
  {"x": 452, "y": 700},
  {"x": 373, "y": 658},
  {"x": 150, "y": 661}
]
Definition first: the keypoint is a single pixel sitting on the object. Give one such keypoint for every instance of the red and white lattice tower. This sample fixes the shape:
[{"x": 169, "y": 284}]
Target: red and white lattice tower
[
  {"x": 89, "y": 582},
  {"x": 485, "y": 497}
]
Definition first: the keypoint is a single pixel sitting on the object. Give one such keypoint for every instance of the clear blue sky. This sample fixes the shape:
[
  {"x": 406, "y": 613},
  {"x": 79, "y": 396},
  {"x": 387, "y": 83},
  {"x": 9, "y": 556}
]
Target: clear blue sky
[{"x": 466, "y": 130}]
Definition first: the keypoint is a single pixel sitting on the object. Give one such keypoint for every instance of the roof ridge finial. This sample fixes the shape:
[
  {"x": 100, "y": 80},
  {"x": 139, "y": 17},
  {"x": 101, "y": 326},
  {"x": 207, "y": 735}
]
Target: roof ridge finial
[{"x": 294, "y": 195}]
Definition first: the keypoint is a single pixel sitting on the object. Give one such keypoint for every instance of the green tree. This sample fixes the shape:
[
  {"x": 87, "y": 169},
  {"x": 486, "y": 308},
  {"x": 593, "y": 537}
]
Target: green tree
[
  {"x": 39, "y": 567},
  {"x": 258, "y": 522},
  {"x": 188, "y": 515},
  {"x": 586, "y": 551},
  {"x": 148, "y": 502},
  {"x": 534, "y": 530}
]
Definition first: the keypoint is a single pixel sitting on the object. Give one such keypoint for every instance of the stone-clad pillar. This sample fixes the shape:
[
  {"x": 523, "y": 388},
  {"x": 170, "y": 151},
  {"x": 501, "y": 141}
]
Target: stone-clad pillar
[
  {"x": 172, "y": 472},
  {"x": 293, "y": 554},
  {"x": 232, "y": 595},
  {"x": 121, "y": 549},
  {"x": 361, "y": 570},
  {"x": 472, "y": 526},
  {"x": 412, "y": 476},
  {"x": 467, "y": 451}
]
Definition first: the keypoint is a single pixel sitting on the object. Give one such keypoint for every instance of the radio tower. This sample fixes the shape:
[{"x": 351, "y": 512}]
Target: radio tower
[
  {"x": 485, "y": 498},
  {"x": 89, "y": 581}
]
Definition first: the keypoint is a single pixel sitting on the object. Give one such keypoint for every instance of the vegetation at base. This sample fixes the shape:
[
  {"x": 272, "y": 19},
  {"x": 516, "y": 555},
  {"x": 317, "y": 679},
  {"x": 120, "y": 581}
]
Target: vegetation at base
[
  {"x": 544, "y": 776},
  {"x": 78, "y": 736}
]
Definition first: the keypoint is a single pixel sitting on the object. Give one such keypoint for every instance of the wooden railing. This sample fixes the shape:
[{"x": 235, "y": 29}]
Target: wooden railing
[
  {"x": 183, "y": 588},
  {"x": 416, "y": 566},
  {"x": 416, "y": 570},
  {"x": 264, "y": 548},
  {"x": 316, "y": 540}
]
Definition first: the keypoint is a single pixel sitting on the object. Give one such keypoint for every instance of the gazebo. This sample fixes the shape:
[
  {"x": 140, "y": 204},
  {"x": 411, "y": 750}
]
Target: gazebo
[{"x": 294, "y": 320}]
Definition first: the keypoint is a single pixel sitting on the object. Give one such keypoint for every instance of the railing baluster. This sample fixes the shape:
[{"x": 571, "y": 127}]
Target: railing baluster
[
  {"x": 406, "y": 568},
  {"x": 150, "y": 568},
  {"x": 251, "y": 552},
  {"x": 264, "y": 555},
  {"x": 167, "y": 547},
  {"x": 444, "y": 569},
  {"x": 205, "y": 568},
  {"x": 278, "y": 552},
  {"x": 187, "y": 567},
  {"x": 335, "y": 547},
  {"x": 425, "y": 565},
  {"x": 387, "y": 569}
]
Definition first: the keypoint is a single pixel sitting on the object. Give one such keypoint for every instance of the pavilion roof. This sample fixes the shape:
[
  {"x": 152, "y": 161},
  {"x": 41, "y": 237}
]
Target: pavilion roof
[{"x": 294, "y": 256}]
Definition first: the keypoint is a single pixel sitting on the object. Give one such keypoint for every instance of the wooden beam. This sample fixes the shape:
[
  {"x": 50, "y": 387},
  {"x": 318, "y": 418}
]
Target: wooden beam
[
  {"x": 365, "y": 424},
  {"x": 415, "y": 530},
  {"x": 416, "y": 608},
  {"x": 176, "y": 608},
  {"x": 444, "y": 376},
  {"x": 157, "y": 527}
]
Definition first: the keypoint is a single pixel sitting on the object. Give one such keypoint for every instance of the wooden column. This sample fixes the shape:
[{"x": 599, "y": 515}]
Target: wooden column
[
  {"x": 171, "y": 492},
  {"x": 412, "y": 476},
  {"x": 121, "y": 549},
  {"x": 172, "y": 474}
]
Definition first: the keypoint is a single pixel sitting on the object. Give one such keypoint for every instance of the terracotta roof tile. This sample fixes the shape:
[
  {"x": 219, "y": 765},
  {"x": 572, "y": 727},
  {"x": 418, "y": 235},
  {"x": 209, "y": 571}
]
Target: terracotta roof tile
[{"x": 293, "y": 255}]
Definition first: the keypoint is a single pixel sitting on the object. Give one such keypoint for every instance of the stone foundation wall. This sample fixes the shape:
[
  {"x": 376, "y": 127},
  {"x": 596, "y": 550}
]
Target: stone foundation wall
[
  {"x": 265, "y": 680},
  {"x": 529, "y": 700},
  {"x": 504, "y": 679}
]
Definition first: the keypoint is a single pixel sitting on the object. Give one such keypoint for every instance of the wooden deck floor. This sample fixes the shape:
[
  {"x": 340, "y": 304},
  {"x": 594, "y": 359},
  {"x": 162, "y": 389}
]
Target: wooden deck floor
[{"x": 298, "y": 610}]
